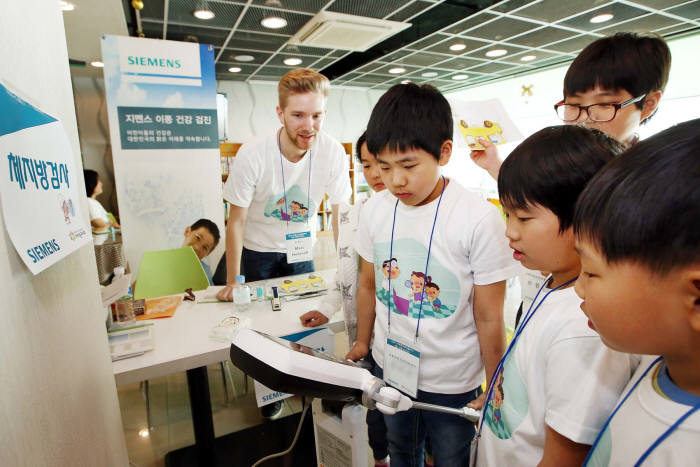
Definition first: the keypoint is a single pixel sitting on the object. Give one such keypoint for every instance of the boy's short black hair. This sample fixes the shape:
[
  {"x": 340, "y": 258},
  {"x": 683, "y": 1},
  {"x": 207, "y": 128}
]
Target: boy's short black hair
[
  {"x": 358, "y": 146},
  {"x": 637, "y": 63},
  {"x": 644, "y": 206},
  {"x": 551, "y": 169},
  {"x": 91, "y": 179},
  {"x": 210, "y": 226},
  {"x": 408, "y": 117}
]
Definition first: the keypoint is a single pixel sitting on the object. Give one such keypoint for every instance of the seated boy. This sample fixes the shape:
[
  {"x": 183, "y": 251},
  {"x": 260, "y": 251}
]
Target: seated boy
[
  {"x": 624, "y": 75},
  {"x": 557, "y": 382},
  {"x": 202, "y": 236},
  {"x": 436, "y": 227},
  {"x": 640, "y": 282}
]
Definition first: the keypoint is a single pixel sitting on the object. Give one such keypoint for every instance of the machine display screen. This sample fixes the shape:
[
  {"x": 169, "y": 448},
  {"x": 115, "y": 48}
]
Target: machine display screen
[{"x": 308, "y": 350}]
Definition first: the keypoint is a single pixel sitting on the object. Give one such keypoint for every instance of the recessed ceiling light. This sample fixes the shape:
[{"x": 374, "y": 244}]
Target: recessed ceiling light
[
  {"x": 397, "y": 70},
  {"x": 602, "y": 18},
  {"x": 406, "y": 81},
  {"x": 97, "y": 64},
  {"x": 460, "y": 77},
  {"x": 527, "y": 58},
  {"x": 144, "y": 433},
  {"x": 458, "y": 46},
  {"x": 496, "y": 53},
  {"x": 234, "y": 69},
  {"x": 273, "y": 22},
  {"x": 203, "y": 14},
  {"x": 243, "y": 58},
  {"x": 66, "y": 6},
  {"x": 429, "y": 74},
  {"x": 292, "y": 61}
]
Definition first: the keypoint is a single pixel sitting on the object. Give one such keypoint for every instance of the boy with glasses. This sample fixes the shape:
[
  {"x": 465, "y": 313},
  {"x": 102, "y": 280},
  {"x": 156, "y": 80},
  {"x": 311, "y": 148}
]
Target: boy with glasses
[{"x": 614, "y": 85}]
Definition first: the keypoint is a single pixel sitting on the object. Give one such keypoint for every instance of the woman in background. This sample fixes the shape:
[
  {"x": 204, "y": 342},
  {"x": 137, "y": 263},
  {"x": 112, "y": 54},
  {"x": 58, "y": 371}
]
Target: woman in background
[{"x": 99, "y": 218}]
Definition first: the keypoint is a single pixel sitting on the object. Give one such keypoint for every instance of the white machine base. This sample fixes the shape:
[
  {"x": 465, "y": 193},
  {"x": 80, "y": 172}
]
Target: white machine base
[{"x": 340, "y": 441}]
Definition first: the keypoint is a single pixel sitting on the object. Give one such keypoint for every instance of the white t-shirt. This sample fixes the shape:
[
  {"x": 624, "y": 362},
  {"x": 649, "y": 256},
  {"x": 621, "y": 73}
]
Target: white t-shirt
[
  {"x": 255, "y": 182},
  {"x": 97, "y": 211},
  {"x": 469, "y": 248},
  {"x": 558, "y": 374},
  {"x": 344, "y": 290},
  {"x": 655, "y": 405}
]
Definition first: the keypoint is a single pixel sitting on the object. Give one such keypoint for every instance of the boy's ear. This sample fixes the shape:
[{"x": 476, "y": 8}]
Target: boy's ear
[
  {"x": 445, "y": 152},
  {"x": 651, "y": 102},
  {"x": 188, "y": 229},
  {"x": 691, "y": 287}
]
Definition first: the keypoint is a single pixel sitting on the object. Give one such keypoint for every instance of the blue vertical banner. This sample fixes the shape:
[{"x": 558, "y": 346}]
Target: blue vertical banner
[
  {"x": 39, "y": 188},
  {"x": 161, "y": 103}
]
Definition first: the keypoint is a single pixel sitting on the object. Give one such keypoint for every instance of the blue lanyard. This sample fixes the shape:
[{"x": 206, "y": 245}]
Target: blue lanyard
[
  {"x": 284, "y": 186},
  {"x": 660, "y": 439},
  {"x": 528, "y": 316},
  {"x": 425, "y": 274}
]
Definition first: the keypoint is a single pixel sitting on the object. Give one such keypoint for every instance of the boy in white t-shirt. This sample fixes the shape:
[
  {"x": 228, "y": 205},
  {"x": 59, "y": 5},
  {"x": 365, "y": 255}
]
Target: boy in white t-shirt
[
  {"x": 557, "y": 382},
  {"x": 427, "y": 229},
  {"x": 637, "y": 232},
  {"x": 278, "y": 182}
]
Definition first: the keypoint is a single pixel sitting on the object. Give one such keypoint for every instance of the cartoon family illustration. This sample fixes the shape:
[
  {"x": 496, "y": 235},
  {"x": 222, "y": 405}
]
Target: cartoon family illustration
[
  {"x": 422, "y": 290},
  {"x": 297, "y": 212}
]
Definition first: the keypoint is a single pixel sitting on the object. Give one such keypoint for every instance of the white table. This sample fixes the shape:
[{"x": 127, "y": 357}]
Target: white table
[{"x": 182, "y": 343}]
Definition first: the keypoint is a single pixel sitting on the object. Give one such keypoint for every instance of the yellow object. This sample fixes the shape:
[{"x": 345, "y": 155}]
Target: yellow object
[
  {"x": 312, "y": 283},
  {"x": 137, "y": 4},
  {"x": 471, "y": 134}
]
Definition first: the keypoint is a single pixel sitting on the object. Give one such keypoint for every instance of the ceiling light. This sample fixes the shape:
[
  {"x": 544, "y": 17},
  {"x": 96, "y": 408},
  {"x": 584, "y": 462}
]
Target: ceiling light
[
  {"x": 457, "y": 47},
  {"x": 397, "y": 70},
  {"x": 496, "y": 53},
  {"x": 234, "y": 69},
  {"x": 460, "y": 77},
  {"x": 406, "y": 81},
  {"x": 243, "y": 58},
  {"x": 66, "y": 6},
  {"x": 273, "y": 22},
  {"x": 527, "y": 58},
  {"x": 203, "y": 14},
  {"x": 292, "y": 61},
  {"x": 97, "y": 64},
  {"x": 602, "y": 18},
  {"x": 144, "y": 433},
  {"x": 429, "y": 74}
]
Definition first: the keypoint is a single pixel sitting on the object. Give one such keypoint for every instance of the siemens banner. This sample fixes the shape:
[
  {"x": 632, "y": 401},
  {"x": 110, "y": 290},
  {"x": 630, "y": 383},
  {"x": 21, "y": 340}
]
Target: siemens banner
[
  {"x": 41, "y": 198},
  {"x": 161, "y": 105}
]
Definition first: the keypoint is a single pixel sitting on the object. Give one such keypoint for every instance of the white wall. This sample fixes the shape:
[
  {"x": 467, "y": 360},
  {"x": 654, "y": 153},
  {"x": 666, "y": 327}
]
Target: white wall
[
  {"x": 59, "y": 403},
  {"x": 251, "y": 110}
]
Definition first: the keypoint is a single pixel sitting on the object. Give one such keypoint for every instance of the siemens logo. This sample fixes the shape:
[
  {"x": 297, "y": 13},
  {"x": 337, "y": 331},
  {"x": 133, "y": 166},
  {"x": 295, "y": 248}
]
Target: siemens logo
[
  {"x": 40, "y": 252},
  {"x": 153, "y": 61},
  {"x": 272, "y": 396}
]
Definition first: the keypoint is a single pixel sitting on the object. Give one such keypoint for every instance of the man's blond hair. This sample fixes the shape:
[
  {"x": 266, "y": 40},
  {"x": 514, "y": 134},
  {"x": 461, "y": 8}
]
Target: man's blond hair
[{"x": 301, "y": 81}]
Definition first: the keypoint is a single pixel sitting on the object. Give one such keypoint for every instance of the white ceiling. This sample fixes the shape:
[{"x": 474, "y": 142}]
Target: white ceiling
[{"x": 84, "y": 26}]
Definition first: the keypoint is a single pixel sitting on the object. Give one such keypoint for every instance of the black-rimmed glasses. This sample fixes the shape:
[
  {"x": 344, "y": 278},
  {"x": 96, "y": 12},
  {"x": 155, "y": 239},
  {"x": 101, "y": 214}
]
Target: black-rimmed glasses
[{"x": 596, "y": 112}]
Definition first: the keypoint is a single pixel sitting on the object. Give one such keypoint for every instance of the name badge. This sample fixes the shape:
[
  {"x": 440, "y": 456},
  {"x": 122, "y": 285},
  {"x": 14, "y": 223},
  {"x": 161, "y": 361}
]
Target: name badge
[
  {"x": 299, "y": 247},
  {"x": 401, "y": 359}
]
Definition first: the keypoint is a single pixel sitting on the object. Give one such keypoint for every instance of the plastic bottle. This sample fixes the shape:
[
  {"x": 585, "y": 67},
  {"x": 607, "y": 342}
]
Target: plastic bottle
[{"x": 241, "y": 295}]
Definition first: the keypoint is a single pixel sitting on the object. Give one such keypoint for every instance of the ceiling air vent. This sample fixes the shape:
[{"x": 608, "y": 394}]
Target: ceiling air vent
[{"x": 346, "y": 32}]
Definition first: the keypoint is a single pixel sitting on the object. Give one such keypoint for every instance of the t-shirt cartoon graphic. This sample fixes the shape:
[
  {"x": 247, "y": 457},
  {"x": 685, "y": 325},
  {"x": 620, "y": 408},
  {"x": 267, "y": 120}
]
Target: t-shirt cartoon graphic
[
  {"x": 411, "y": 289},
  {"x": 508, "y": 403},
  {"x": 298, "y": 206}
]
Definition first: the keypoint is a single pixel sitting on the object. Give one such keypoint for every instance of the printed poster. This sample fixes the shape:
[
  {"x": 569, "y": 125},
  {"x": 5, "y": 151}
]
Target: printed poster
[
  {"x": 161, "y": 104},
  {"x": 41, "y": 198}
]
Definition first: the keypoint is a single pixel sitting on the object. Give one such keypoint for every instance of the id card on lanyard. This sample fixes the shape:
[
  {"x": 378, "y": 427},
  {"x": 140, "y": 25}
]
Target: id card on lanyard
[
  {"x": 401, "y": 354},
  {"x": 298, "y": 240},
  {"x": 401, "y": 361}
]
